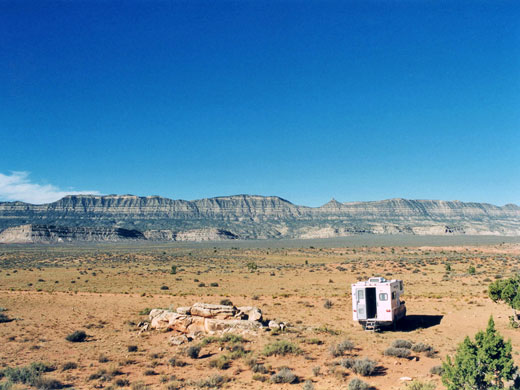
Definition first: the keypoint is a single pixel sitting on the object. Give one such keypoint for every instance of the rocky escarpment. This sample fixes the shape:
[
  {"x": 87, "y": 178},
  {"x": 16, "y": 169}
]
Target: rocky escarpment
[
  {"x": 44, "y": 234},
  {"x": 260, "y": 217}
]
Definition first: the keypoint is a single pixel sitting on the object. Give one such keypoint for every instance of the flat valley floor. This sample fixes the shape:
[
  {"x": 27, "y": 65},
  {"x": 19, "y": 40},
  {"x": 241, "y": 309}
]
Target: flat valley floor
[{"x": 48, "y": 292}]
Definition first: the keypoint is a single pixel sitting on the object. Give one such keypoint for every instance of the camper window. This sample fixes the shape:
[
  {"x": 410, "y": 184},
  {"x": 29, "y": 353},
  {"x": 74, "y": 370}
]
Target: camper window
[
  {"x": 361, "y": 294},
  {"x": 383, "y": 297},
  {"x": 393, "y": 295}
]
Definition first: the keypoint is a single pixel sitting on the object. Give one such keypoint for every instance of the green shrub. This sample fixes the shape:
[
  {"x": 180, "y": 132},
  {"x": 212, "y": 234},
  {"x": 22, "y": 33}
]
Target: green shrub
[
  {"x": 364, "y": 367},
  {"x": 259, "y": 368},
  {"x": 4, "y": 318},
  {"x": 146, "y": 311},
  {"x": 260, "y": 378},
  {"x": 132, "y": 348},
  {"x": 173, "y": 270},
  {"x": 77, "y": 337},
  {"x": 226, "y": 302},
  {"x": 486, "y": 363},
  {"x": 397, "y": 352},
  {"x": 284, "y": 375},
  {"x": 43, "y": 383},
  {"x": 27, "y": 374},
  {"x": 281, "y": 347},
  {"x": 122, "y": 382}
]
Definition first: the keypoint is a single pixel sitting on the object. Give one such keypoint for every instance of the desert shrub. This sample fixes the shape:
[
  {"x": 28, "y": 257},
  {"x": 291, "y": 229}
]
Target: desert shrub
[
  {"x": 150, "y": 372},
  {"x": 193, "y": 351},
  {"x": 165, "y": 287},
  {"x": 328, "y": 304},
  {"x": 281, "y": 347},
  {"x": 103, "y": 359},
  {"x": 176, "y": 362},
  {"x": 314, "y": 341},
  {"x": 340, "y": 348},
  {"x": 175, "y": 385},
  {"x": 173, "y": 270},
  {"x": 259, "y": 368},
  {"x": 472, "y": 270},
  {"x": 402, "y": 344},
  {"x": 77, "y": 337},
  {"x": 358, "y": 384},
  {"x": 122, "y": 382},
  {"x": 397, "y": 352},
  {"x": 202, "y": 284},
  {"x": 213, "y": 284},
  {"x": 43, "y": 383},
  {"x": 316, "y": 370},
  {"x": 223, "y": 362},
  {"x": 226, "y": 302},
  {"x": 418, "y": 385},
  {"x": 284, "y": 375},
  {"x": 420, "y": 347},
  {"x": 364, "y": 367},
  {"x": 6, "y": 385},
  {"x": 214, "y": 381},
  {"x": 27, "y": 374},
  {"x": 69, "y": 366},
  {"x": 4, "y": 318},
  {"x": 308, "y": 385},
  {"x": 347, "y": 363},
  {"x": 436, "y": 370},
  {"x": 140, "y": 386},
  {"x": 145, "y": 311},
  {"x": 132, "y": 348}
]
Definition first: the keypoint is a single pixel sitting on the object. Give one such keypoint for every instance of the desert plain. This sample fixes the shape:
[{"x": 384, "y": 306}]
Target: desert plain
[{"x": 49, "y": 292}]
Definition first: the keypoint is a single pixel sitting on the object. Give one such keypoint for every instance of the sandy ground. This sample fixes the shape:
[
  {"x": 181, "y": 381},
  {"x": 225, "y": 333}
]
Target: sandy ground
[{"x": 442, "y": 311}]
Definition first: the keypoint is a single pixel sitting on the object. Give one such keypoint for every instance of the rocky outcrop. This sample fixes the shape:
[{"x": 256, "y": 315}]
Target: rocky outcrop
[
  {"x": 259, "y": 217},
  {"x": 204, "y": 318},
  {"x": 45, "y": 234}
]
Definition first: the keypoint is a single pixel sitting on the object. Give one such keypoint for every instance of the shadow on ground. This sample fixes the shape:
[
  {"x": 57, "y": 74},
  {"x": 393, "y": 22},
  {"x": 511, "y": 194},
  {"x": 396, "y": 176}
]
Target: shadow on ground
[{"x": 418, "y": 321}]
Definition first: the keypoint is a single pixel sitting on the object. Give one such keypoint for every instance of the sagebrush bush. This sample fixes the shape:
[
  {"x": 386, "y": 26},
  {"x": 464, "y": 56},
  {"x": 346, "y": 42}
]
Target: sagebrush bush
[
  {"x": 193, "y": 351},
  {"x": 436, "y": 370},
  {"x": 358, "y": 384},
  {"x": 402, "y": 344},
  {"x": 364, "y": 367},
  {"x": 308, "y": 385},
  {"x": 176, "y": 362},
  {"x": 420, "y": 347},
  {"x": 281, "y": 347},
  {"x": 77, "y": 337},
  {"x": 223, "y": 362},
  {"x": 397, "y": 352},
  {"x": 69, "y": 366},
  {"x": 132, "y": 348},
  {"x": 4, "y": 318},
  {"x": 285, "y": 375},
  {"x": 214, "y": 381},
  {"x": 226, "y": 302},
  {"x": 342, "y": 347}
]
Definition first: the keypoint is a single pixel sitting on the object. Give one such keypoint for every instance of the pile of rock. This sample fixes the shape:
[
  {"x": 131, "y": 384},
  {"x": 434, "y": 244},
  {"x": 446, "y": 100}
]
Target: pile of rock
[{"x": 205, "y": 318}]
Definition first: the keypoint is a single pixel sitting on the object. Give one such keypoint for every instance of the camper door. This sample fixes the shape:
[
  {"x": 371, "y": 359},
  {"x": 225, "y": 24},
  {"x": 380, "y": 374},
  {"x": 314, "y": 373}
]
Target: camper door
[{"x": 361, "y": 304}]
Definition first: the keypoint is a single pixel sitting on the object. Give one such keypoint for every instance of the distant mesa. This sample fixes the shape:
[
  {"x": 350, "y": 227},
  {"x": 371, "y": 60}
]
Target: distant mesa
[{"x": 129, "y": 217}]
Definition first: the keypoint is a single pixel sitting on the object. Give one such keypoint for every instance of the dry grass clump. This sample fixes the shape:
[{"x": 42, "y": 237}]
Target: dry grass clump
[
  {"x": 342, "y": 347},
  {"x": 284, "y": 375}
]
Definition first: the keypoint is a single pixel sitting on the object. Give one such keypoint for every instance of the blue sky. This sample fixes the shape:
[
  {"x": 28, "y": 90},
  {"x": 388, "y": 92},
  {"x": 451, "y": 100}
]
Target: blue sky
[{"x": 305, "y": 100}]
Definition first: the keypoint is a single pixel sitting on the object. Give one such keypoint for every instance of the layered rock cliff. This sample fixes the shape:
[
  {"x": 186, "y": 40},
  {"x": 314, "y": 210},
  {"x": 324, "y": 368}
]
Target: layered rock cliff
[{"x": 248, "y": 216}]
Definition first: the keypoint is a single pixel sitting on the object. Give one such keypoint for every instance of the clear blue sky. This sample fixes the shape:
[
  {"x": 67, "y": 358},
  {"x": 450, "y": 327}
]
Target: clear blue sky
[{"x": 306, "y": 100}]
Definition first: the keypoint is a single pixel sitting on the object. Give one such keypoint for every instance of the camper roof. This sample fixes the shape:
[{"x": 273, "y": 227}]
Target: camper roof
[{"x": 374, "y": 280}]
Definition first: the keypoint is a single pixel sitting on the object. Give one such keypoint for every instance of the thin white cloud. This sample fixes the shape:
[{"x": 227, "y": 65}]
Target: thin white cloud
[{"x": 17, "y": 186}]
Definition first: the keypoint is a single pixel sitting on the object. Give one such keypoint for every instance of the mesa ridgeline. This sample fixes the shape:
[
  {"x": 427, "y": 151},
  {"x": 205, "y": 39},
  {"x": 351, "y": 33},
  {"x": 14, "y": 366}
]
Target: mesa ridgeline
[{"x": 128, "y": 217}]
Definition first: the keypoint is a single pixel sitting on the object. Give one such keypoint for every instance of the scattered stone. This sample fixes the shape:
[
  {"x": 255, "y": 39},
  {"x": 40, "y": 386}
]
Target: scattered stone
[
  {"x": 178, "y": 340},
  {"x": 405, "y": 378}
]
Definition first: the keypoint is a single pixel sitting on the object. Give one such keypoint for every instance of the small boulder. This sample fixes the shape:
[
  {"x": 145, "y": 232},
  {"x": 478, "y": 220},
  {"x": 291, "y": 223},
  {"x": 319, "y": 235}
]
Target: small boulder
[
  {"x": 186, "y": 310},
  {"x": 250, "y": 313},
  {"x": 208, "y": 310},
  {"x": 178, "y": 340}
]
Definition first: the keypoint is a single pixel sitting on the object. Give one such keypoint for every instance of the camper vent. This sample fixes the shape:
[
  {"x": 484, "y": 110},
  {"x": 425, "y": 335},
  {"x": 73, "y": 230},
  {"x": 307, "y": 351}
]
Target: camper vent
[{"x": 377, "y": 280}]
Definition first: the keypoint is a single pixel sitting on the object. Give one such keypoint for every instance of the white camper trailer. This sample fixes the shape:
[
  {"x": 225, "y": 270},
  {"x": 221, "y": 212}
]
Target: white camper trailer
[{"x": 376, "y": 302}]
